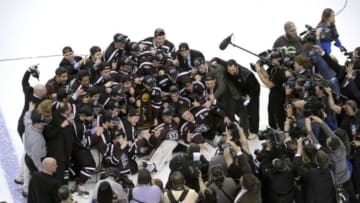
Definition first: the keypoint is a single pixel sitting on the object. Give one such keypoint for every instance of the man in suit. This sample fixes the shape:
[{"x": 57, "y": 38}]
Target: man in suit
[
  {"x": 186, "y": 56},
  {"x": 43, "y": 186}
]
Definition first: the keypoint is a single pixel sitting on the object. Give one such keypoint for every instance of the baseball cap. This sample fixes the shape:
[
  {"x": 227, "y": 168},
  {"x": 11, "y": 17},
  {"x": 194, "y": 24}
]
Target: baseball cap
[
  {"x": 231, "y": 62},
  {"x": 159, "y": 32},
  {"x": 183, "y": 46},
  {"x": 118, "y": 37},
  {"x": 67, "y": 49},
  {"x": 198, "y": 62}
]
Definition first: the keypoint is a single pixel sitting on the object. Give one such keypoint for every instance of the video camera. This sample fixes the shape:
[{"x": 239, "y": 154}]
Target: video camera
[
  {"x": 310, "y": 31},
  {"x": 313, "y": 106},
  {"x": 286, "y": 56},
  {"x": 276, "y": 137}
]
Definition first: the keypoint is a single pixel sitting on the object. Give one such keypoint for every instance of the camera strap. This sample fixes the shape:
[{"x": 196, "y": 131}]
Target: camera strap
[
  {"x": 181, "y": 198},
  {"x": 226, "y": 195}
]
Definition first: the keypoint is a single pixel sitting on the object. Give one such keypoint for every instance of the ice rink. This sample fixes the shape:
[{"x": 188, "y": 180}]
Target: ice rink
[{"x": 39, "y": 28}]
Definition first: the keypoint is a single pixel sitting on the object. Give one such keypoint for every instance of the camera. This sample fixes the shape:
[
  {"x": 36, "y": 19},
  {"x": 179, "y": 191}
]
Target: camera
[
  {"x": 313, "y": 106},
  {"x": 277, "y": 137},
  {"x": 285, "y": 54}
]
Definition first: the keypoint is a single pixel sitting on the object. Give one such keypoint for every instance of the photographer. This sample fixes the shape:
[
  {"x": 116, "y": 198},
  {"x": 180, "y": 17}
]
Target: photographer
[
  {"x": 233, "y": 145},
  {"x": 321, "y": 66},
  {"x": 178, "y": 192},
  {"x": 337, "y": 153},
  {"x": 239, "y": 168},
  {"x": 290, "y": 39},
  {"x": 351, "y": 86},
  {"x": 350, "y": 115},
  {"x": 218, "y": 158},
  {"x": 276, "y": 170},
  {"x": 326, "y": 31},
  {"x": 274, "y": 78},
  {"x": 226, "y": 188},
  {"x": 316, "y": 180}
]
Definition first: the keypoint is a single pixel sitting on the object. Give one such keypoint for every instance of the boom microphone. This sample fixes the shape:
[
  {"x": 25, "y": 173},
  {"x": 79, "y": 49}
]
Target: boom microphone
[{"x": 225, "y": 42}]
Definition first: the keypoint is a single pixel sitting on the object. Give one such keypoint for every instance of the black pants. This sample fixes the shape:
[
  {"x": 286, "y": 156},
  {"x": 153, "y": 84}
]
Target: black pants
[
  {"x": 253, "y": 89},
  {"x": 253, "y": 112},
  {"x": 276, "y": 112},
  {"x": 84, "y": 164},
  {"x": 21, "y": 126},
  {"x": 349, "y": 188}
]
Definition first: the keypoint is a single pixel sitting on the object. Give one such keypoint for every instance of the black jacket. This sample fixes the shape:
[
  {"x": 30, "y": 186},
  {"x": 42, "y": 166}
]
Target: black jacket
[
  {"x": 43, "y": 188},
  {"x": 184, "y": 62},
  {"x": 318, "y": 183},
  {"x": 59, "y": 140},
  {"x": 69, "y": 66}
]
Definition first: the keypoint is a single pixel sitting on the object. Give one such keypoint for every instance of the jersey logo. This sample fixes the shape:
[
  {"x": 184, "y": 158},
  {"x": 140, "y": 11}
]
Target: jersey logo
[
  {"x": 201, "y": 128},
  {"x": 173, "y": 135}
]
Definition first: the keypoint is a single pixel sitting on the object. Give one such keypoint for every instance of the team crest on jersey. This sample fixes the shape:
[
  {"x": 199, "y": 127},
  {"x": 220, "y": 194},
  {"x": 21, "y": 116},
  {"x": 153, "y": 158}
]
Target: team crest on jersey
[
  {"x": 124, "y": 160},
  {"x": 202, "y": 128},
  {"x": 173, "y": 135}
]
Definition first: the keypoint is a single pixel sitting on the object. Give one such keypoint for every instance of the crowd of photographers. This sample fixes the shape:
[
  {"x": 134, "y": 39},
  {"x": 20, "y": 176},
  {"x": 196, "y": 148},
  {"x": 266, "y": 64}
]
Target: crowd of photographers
[{"x": 144, "y": 100}]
